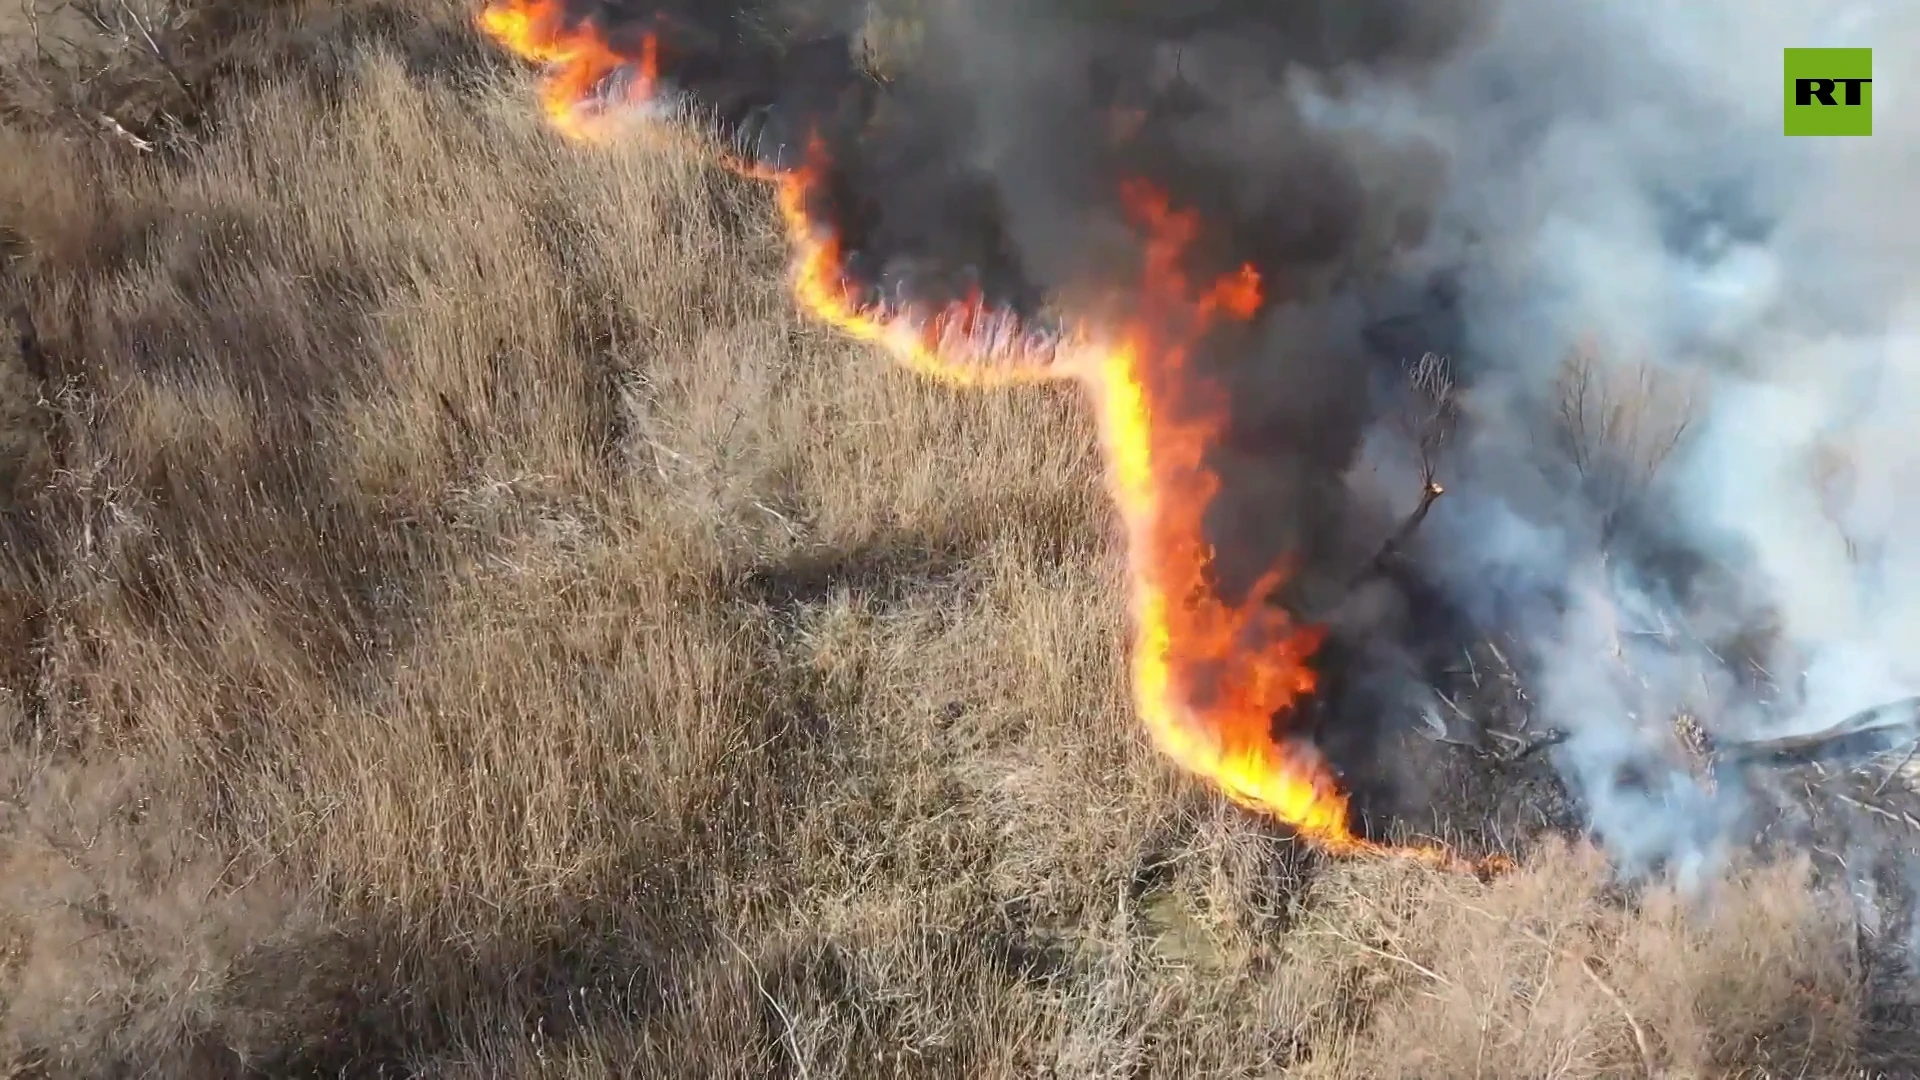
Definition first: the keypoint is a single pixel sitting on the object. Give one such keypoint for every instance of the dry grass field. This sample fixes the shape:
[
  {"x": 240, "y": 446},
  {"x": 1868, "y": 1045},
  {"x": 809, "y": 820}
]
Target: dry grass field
[{"x": 461, "y": 620}]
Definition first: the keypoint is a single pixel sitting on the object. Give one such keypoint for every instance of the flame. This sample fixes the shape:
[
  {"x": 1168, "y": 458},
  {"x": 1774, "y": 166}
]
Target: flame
[
  {"x": 1210, "y": 677},
  {"x": 582, "y": 66},
  {"x": 965, "y": 343}
]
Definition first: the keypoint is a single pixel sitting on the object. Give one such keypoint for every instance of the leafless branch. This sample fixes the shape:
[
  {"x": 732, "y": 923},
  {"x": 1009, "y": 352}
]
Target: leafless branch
[
  {"x": 119, "y": 131},
  {"x": 1639, "y": 1033},
  {"x": 1427, "y": 423},
  {"x": 1432, "y": 413},
  {"x": 1618, "y": 425}
]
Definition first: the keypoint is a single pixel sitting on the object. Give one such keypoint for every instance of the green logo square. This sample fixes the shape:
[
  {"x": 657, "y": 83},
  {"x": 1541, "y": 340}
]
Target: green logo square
[{"x": 1829, "y": 91}]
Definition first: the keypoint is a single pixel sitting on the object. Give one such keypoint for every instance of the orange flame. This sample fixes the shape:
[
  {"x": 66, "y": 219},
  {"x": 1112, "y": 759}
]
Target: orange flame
[
  {"x": 581, "y": 65},
  {"x": 1209, "y": 676},
  {"x": 965, "y": 343}
]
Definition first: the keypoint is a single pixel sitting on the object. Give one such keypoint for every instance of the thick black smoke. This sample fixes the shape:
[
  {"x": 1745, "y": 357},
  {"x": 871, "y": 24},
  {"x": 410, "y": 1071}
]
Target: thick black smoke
[{"x": 994, "y": 158}]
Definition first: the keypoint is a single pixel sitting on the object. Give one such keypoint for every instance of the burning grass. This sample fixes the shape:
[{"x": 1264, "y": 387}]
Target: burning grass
[
  {"x": 462, "y": 619},
  {"x": 1211, "y": 674}
]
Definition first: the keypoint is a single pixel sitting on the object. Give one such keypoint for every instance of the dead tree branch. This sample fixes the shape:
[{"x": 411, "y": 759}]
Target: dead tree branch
[{"x": 1426, "y": 423}]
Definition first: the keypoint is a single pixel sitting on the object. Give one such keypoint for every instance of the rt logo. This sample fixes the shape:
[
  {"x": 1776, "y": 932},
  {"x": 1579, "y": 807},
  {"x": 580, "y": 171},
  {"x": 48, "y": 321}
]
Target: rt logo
[{"x": 1829, "y": 91}]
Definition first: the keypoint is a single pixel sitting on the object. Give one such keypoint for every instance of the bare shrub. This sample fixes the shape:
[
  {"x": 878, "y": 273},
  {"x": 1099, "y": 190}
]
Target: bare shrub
[
  {"x": 1431, "y": 414},
  {"x": 1619, "y": 423}
]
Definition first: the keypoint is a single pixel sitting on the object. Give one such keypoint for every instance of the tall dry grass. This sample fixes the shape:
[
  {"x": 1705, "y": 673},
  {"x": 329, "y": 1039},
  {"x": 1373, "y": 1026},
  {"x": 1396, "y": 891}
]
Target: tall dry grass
[{"x": 460, "y": 620}]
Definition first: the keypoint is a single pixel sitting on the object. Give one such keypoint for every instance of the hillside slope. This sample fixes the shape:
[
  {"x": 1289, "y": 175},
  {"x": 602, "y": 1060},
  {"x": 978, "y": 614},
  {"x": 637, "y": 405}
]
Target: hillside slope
[{"x": 460, "y": 619}]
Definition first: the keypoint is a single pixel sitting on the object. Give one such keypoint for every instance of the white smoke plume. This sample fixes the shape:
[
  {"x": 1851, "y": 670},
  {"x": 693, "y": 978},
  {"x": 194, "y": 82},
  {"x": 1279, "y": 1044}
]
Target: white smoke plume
[{"x": 1619, "y": 184}]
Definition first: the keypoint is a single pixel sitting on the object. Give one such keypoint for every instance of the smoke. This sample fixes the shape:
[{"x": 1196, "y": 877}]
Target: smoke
[
  {"x": 1619, "y": 179},
  {"x": 1045, "y": 107},
  {"x": 1686, "y": 346}
]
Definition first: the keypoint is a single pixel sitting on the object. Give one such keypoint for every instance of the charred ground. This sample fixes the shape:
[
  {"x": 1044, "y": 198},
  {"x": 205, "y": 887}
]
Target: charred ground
[{"x": 530, "y": 648}]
